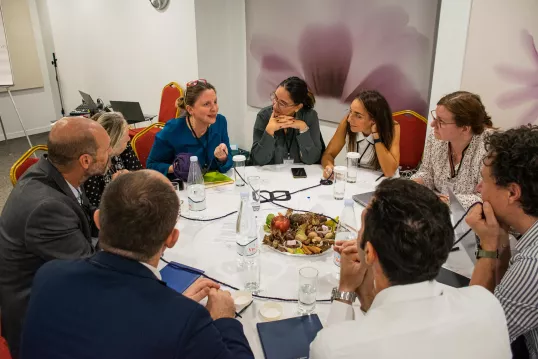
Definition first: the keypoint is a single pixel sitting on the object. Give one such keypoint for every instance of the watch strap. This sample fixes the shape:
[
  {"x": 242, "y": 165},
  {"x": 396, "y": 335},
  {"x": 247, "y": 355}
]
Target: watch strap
[
  {"x": 480, "y": 253},
  {"x": 377, "y": 140},
  {"x": 346, "y": 296}
]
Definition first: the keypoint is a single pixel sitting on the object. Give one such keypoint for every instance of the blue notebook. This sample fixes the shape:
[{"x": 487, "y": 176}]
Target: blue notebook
[
  {"x": 289, "y": 338},
  {"x": 179, "y": 276}
]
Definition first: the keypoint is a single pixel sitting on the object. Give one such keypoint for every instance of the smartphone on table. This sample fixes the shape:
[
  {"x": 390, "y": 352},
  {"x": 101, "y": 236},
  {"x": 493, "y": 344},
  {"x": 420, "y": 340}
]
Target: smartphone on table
[{"x": 298, "y": 172}]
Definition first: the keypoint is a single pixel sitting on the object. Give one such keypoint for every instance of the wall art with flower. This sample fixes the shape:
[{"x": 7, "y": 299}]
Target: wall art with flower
[{"x": 340, "y": 47}]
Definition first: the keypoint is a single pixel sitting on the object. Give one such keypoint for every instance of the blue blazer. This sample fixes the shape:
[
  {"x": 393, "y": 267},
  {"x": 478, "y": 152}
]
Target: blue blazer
[
  {"x": 108, "y": 306},
  {"x": 176, "y": 137}
]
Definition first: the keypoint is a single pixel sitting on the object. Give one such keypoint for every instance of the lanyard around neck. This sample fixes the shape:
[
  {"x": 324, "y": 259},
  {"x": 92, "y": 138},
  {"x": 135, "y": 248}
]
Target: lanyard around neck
[
  {"x": 363, "y": 152},
  {"x": 453, "y": 171},
  {"x": 204, "y": 148}
]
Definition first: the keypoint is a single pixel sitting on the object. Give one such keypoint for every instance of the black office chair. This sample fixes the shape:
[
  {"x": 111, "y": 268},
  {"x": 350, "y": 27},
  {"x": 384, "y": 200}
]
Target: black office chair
[{"x": 519, "y": 348}]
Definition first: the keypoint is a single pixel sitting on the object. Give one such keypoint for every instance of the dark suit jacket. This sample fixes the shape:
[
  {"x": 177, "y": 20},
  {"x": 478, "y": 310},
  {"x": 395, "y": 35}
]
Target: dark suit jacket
[
  {"x": 109, "y": 306},
  {"x": 42, "y": 220}
]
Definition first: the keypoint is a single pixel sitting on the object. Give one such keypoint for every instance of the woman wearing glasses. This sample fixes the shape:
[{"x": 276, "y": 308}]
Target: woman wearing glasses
[
  {"x": 288, "y": 131},
  {"x": 202, "y": 132},
  {"x": 454, "y": 150},
  {"x": 370, "y": 131}
]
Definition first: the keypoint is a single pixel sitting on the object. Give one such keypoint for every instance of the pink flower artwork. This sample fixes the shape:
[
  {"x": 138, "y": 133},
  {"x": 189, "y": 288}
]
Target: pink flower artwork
[
  {"x": 368, "y": 47},
  {"x": 526, "y": 80}
]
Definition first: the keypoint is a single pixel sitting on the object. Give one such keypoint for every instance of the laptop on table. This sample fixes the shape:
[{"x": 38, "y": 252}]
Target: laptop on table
[{"x": 132, "y": 112}]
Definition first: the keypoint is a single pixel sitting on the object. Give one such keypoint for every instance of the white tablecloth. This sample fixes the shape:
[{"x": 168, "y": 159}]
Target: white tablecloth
[{"x": 210, "y": 246}]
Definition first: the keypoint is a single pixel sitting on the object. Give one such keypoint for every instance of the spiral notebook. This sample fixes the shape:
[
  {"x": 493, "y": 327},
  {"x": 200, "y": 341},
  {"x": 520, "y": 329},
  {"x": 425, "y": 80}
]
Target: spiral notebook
[{"x": 289, "y": 338}]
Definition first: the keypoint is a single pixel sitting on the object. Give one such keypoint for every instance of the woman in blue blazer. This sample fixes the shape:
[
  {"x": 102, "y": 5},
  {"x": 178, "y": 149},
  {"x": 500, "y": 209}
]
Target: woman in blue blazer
[{"x": 202, "y": 133}]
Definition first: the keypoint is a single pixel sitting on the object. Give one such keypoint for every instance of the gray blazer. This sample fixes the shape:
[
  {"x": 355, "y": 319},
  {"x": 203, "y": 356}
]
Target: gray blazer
[
  {"x": 304, "y": 147},
  {"x": 42, "y": 220}
]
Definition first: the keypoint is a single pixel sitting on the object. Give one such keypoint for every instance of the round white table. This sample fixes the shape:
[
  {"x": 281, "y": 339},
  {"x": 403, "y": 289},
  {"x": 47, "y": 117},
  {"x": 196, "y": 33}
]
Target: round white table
[{"x": 210, "y": 246}]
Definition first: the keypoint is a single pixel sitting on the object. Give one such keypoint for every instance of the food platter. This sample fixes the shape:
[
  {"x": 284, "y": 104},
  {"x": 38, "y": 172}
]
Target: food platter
[{"x": 299, "y": 234}]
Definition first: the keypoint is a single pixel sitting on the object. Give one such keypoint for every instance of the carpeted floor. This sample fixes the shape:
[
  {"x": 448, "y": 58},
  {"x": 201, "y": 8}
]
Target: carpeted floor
[{"x": 10, "y": 152}]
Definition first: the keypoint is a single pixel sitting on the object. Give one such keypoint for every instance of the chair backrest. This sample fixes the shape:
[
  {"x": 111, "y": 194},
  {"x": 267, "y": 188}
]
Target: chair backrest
[
  {"x": 143, "y": 141},
  {"x": 24, "y": 162},
  {"x": 4, "y": 349},
  {"x": 171, "y": 92},
  {"x": 412, "y": 137}
]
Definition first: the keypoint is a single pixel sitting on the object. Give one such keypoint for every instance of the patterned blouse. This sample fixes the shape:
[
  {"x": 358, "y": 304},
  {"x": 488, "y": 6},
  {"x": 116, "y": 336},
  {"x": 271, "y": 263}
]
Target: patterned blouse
[
  {"x": 435, "y": 168},
  {"x": 95, "y": 185}
]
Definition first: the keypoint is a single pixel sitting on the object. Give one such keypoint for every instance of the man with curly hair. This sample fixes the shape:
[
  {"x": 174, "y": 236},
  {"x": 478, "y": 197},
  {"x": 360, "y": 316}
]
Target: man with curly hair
[{"x": 509, "y": 190}]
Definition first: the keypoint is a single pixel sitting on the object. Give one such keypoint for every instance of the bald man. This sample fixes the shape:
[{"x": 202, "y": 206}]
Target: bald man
[{"x": 47, "y": 215}]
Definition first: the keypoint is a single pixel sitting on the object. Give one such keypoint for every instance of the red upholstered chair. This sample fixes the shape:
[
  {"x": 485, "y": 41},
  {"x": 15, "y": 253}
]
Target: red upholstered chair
[
  {"x": 412, "y": 137},
  {"x": 143, "y": 141},
  {"x": 4, "y": 349},
  {"x": 171, "y": 92},
  {"x": 23, "y": 163}
]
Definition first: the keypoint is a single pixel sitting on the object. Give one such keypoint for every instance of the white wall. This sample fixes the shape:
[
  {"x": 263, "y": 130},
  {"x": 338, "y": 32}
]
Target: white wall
[
  {"x": 450, "y": 50},
  {"x": 122, "y": 49},
  {"x": 220, "y": 28},
  {"x": 36, "y": 106},
  {"x": 499, "y": 62}
]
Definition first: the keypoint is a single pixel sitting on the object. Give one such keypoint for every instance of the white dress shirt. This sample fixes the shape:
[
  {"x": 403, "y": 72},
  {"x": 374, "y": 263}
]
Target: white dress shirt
[
  {"x": 154, "y": 270},
  {"x": 422, "y": 320}
]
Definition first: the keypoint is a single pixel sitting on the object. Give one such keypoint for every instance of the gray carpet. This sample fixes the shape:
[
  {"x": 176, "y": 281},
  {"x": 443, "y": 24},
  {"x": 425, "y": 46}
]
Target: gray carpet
[{"x": 10, "y": 151}]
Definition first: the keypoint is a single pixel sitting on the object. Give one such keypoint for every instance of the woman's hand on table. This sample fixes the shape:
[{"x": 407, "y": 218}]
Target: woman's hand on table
[
  {"x": 221, "y": 152},
  {"x": 220, "y": 304},
  {"x": 200, "y": 289}
]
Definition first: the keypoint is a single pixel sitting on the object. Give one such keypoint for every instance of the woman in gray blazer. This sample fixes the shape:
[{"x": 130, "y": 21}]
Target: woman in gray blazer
[{"x": 288, "y": 131}]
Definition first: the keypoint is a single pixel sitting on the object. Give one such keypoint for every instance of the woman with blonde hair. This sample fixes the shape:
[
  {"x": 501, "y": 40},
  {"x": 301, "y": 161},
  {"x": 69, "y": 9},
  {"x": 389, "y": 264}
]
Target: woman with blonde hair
[{"x": 123, "y": 158}]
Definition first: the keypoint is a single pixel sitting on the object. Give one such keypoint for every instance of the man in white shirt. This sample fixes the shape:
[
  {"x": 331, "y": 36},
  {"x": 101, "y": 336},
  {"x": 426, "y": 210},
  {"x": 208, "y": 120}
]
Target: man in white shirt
[{"x": 406, "y": 236}]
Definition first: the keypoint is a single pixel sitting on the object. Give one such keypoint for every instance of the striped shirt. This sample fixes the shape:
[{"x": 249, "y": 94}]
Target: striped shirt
[{"x": 518, "y": 291}]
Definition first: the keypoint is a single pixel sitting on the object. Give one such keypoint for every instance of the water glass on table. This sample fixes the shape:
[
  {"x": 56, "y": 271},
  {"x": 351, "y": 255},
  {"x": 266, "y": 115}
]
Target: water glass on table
[
  {"x": 339, "y": 187},
  {"x": 239, "y": 169},
  {"x": 352, "y": 166},
  {"x": 255, "y": 186},
  {"x": 308, "y": 283}
]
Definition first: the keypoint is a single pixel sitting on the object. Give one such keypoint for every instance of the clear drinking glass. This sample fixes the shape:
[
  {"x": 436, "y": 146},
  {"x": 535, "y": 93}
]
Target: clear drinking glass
[
  {"x": 255, "y": 185},
  {"x": 308, "y": 283},
  {"x": 239, "y": 166},
  {"x": 339, "y": 187},
  {"x": 352, "y": 166}
]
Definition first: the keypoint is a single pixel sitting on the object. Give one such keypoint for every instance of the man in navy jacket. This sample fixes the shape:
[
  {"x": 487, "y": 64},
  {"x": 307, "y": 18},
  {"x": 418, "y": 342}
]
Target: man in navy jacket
[{"x": 114, "y": 304}]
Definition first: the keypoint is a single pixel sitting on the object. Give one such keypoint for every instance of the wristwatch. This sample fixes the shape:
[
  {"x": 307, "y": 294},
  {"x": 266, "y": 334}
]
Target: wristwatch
[
  {"x": 347, "y": 296},
  {"x": 377, "y": 140},
  {"x": 480, "y": 253}
]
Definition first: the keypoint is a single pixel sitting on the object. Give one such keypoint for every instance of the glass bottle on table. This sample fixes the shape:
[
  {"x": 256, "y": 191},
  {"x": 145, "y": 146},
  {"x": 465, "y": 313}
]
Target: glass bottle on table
[
  {"x": 195, "y": 186},
  {"x": 345, "y": 231}
]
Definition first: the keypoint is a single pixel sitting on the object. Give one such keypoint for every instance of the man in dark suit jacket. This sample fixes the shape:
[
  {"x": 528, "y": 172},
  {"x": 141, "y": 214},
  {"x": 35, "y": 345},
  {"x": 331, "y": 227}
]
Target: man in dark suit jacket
[
  {"x": 115, "y": 304},
  {"x": 47, "y": 215}
]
